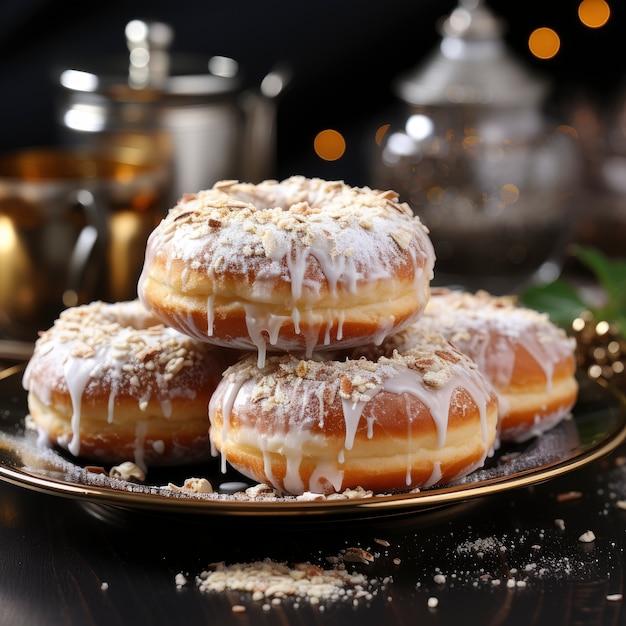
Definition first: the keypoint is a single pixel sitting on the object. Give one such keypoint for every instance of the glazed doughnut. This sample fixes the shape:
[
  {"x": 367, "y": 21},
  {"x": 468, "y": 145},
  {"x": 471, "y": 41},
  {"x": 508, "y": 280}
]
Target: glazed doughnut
[
  {"x": 416, "y": 419},
  {"x": 109, "y": 382},
  {"x": 529, "y": 360},
  {"x": 298, "y": 265}
]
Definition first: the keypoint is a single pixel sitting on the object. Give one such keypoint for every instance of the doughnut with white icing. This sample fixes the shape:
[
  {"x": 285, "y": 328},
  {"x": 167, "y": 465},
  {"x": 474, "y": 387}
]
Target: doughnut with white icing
[
  {"x": 298, "y": 265},
  {"x": 424, "y": 417},
  {"x": 529, "y": 360},
  {"x": 110, "y": 383}
]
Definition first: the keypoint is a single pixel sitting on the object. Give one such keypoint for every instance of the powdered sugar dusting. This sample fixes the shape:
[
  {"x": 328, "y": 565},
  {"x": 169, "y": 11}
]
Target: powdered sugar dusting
[
  {"x": 287, "y": 407},
  {"x": 102, "y": 355},
  {"x": 288, "y": 253},
  {"x": 488, "y": 329}
]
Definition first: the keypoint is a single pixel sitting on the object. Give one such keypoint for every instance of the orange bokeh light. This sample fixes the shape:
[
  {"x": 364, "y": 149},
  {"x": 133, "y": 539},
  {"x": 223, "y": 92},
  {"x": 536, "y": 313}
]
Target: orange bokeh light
[
  {"x": 329, "y": 145},
  {"x": 544, "y": 43},
  {"x": 594, "y": 13},
  {"x": 381, "y": 132}
]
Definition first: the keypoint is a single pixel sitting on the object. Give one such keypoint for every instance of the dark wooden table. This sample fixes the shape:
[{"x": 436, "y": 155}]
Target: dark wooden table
[{"x": 511, "y": 558}]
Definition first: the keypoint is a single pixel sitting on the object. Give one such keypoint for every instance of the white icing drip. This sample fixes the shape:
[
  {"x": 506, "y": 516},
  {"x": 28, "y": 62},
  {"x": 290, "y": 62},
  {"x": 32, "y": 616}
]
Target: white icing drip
[
  {"x": 295, "y": 316},
  {"x": 437, "y": 400},
  {"x": 327, "y": 329},
  {"x": 267, "y": 466},
  {"x": 334, "y": 268},
  {"x": 115, "y": 350},
  {"x": 141, "y": 430},
  {"x": 274, "y": 325},
  {"x": 385, "y": 326},
  {"x": 77, "y": 373},
  {"x": 255, "y": 332},
  {"x": 352, "y": 414},
  {"x": 320, "y": 237},
  {"x": 326, "y": 473},
  {"x": 291, "y": 433},
  {"x": 310, "y": 339},
  {"x": 340, "y": 322},
  {"x": 489, "y": 330},
  {"x": 292, "y": 480},
  {"x": 226, "y": 407},
  {"x": 434, "y": 478},
  {"x": 260, "y": 322},
  {"x": 111, "y": 405},
  {"x": 210, "y": 314}
]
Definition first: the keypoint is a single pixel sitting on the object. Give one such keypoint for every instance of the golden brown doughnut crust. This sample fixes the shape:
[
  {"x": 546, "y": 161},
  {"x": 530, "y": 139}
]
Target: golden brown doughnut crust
[
  {"x": 298, "y": 265},
  {"x": 418, "y": 419},
  {"x": 528, "y": 359},
  {"x": 109, "y": 382}
]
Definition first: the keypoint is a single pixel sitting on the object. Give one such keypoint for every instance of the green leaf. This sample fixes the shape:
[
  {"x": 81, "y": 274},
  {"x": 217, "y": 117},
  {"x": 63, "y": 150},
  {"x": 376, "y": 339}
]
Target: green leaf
[
  {"x": 558, "y": 299},
  {"x": 611, "y": 273},
  {"x": 563, "y": 302}
]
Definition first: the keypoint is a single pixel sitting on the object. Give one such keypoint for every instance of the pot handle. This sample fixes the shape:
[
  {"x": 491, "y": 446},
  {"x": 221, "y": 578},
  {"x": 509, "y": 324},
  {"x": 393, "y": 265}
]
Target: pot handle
[
  {"x": 259, "y": 139},
  {"x": 87, "y": 258}
]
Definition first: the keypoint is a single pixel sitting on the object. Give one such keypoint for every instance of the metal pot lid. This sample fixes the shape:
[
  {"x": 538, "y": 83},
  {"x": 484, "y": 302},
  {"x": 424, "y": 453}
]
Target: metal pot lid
[
  {"x": 150, "y": 72},
  {"x": 472, "y": 65}
]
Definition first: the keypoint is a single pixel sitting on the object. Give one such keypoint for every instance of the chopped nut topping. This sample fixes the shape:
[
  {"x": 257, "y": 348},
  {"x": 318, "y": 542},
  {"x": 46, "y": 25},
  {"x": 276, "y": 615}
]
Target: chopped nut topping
[
  {"x": 587, "y": 537},
  {"x": 313, "y": 213},
  {"x": 196, "y": 485},
  {"x": 122, "y": 338},
  {"x": 353, "y": 380},
  {"x": 358, "y": 555},
  {"x": 127, "y": 471},
  {"x": 569, "y": 495},
  {"x": 271, "y": 580}
]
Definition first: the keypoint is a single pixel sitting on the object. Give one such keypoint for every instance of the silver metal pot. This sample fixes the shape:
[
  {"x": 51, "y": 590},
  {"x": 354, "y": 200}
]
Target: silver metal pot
[{"x": 193, "y": 111}]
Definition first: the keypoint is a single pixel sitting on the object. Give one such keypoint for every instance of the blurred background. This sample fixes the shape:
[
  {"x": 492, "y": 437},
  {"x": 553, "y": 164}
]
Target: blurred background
[
  {"x": 343, "y": 56},
  {"x": 502, "y": 123}
]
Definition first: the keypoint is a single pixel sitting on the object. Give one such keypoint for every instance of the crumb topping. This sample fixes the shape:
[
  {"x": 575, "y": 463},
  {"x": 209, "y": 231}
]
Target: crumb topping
[
  {"x": 120, "y": 343},
  {"x": 502, "y": 338},
  {"x": 313, "y": 250},
  {"x": 256, "y": 218},
  {"x": 353, "y": 379},
  {"x": 269, "y": 580},
  {"x": 463, "y": 314}
]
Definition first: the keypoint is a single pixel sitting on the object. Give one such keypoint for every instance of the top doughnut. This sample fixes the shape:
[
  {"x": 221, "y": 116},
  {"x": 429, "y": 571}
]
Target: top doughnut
[{"x": 298, "y": 265}]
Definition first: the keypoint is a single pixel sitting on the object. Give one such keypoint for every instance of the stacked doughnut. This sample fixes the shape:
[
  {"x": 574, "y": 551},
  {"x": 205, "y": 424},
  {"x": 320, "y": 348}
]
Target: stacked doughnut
[
  {"x": 297, "y": 272},
  {"x": 109, "y": 382},
  {"x": 528, "y": 359},
  {"x": 301, "y": 265},
  {"x": 418, "y": 418},
  {"x": 290, "y": 328}
]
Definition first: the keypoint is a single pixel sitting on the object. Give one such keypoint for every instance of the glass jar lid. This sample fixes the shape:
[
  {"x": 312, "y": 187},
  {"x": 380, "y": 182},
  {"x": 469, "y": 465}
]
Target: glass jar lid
[{"x": 471, "y": 66}]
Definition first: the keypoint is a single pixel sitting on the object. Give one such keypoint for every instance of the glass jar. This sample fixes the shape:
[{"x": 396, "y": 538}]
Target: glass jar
[{"x": 480, "y": 162}]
